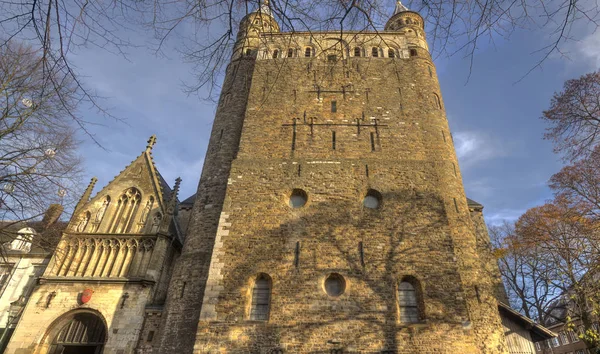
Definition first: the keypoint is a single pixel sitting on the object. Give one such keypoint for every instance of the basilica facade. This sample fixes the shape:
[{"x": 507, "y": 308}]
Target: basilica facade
[{"x": 330, "y": 217}]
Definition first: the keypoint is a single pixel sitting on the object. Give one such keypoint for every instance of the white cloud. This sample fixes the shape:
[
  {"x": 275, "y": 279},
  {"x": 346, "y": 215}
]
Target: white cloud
[
  {"x": 474, "y": 147},
  {"x": 502, "y": 215},
  {"x": 589, "y": 49}
]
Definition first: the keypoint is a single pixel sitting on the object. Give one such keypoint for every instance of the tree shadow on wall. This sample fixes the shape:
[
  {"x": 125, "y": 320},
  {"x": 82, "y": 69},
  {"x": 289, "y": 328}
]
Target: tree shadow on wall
[{"x": 408, "y": 235}]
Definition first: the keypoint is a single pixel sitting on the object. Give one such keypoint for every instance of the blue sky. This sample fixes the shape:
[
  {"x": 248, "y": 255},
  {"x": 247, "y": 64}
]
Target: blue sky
[{"x": 494, "y": 119}]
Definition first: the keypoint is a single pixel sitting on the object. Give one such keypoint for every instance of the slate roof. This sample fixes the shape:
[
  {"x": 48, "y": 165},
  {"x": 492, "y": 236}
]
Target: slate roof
[{"x": 190, "y": 200}]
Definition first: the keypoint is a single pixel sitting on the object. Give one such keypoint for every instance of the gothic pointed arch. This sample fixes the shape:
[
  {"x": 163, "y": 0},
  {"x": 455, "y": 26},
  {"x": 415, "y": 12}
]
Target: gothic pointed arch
[{"x": 125, "y": 211}]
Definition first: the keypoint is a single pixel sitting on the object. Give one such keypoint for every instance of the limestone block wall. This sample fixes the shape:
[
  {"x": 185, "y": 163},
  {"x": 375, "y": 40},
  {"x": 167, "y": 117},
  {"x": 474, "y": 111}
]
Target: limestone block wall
[{"x": 123, "y": 321}]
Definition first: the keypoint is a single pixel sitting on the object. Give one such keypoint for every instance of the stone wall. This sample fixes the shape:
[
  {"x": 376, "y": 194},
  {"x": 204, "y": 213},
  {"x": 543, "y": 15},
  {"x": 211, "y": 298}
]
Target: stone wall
[
  {"x": 44, "y": 310},
  {"x": 336, "y": 129}
]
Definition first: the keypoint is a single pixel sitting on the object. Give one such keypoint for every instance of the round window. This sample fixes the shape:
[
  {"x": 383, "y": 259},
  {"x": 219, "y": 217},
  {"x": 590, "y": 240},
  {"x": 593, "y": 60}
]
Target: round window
[
  {"x": 372, "y": 199},
  {"x": 335, "y": 285},
  {"x": 298, "y": 198}
]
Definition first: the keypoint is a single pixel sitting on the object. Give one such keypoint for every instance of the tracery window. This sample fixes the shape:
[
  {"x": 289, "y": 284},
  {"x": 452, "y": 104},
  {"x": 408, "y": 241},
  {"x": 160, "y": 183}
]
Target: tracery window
[
  {"x": 261, "y": 298},
  {"x": 127, "y": 207}
]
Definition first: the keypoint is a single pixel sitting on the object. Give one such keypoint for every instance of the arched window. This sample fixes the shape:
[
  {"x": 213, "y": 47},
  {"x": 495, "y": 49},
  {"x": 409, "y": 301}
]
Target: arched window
[
  {"x": 357, "y": 52},
  {"x": 261, "y": 298},
  {"x": 375, "y": 52},
  {"x": 248, "y": 52},
  {"x": 308, "y": 52},
  {"x": 436, "y": 101},
  {"x": 413, "y": 52},
  {"x": 83, "y": 221},
  {"x": 391, "y": 53},
  {"x": 408, "y": 21},
  {"x": 275, "y": 53},
  {"x": 408, "y": 302},
  {"x": 290, "y": 53},
  {"x": 83, "y": 333},
  {"x": 127, "y": 207}
]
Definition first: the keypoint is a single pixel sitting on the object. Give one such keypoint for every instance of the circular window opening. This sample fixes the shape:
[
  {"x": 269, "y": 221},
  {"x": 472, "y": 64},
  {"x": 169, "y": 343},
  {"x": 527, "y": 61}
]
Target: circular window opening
[
  {"x": 298, "y": 198},
  {"x": 372, "y": 199},
  {"x": 335, "y": 285}
]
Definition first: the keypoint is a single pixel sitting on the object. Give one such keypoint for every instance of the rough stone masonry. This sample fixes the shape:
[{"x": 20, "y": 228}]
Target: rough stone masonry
[{"x": 330, "y": 179}]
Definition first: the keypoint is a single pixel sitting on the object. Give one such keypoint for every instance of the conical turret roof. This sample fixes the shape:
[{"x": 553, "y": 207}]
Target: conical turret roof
[{"x": 400, "y": 8}]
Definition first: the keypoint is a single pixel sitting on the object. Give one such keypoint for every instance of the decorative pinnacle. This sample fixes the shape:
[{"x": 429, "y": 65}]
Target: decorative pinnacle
[
  {"x": 151, "y": 142},
  {"x": 86, "y": 195},
  {"x": 176, "y": 186},
  {"x": 264, "y": 7},
  {"x": 173, "y": 201},
  {"x": 400, "y": 7}
]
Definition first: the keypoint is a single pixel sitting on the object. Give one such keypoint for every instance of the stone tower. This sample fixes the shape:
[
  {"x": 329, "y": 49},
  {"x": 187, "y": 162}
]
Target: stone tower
[{"x": 331, "y": 215}]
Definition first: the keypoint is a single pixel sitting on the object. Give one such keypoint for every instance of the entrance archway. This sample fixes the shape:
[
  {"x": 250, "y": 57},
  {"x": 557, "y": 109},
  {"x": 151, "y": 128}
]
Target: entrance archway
[{"x": 83, "y": 333}]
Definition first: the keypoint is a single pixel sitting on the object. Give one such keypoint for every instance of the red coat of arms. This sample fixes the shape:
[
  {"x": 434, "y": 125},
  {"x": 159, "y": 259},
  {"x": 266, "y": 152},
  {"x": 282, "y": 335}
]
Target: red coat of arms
[{"x": 86, "y": 295}]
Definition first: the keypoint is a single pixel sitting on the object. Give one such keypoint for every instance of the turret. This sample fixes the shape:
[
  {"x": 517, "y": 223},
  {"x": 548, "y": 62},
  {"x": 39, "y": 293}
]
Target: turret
[
  {"x": 410, "y": 23},
  {"x": 252, "y": 25}
]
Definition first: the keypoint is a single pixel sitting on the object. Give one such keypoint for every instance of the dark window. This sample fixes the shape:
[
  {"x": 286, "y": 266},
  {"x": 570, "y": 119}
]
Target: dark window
[
  {"x": 333, "y": 106},
  {"x": 407, "y": 301},
  {"x": 150, "y": 336},
  {"x": 290, "y": 53},
  {"x": 261, "y": 298},
  {"x": 430, "y": 71},
  {"x": 357, "y": 52},
  {"x": 332, "y": 58},
  {"x": 335, "y": 285},
  {"x": 372, "y": 199},
  {"x": 413, "y": 52},
  {"x": 248, "y": 52},
  {"x": 275, "y": 53},
  {"x": 298, "y": 198},
  {"x": 308, "y": 52},
  {"x": 375, "y": 52},
  {"x": 391, "y": 53}
]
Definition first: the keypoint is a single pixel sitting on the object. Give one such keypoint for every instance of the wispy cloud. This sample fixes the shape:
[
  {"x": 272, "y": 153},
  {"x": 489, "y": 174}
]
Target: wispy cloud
[
  {"x": 589, "y": 50},
  {"x": 474, "y": 147}
]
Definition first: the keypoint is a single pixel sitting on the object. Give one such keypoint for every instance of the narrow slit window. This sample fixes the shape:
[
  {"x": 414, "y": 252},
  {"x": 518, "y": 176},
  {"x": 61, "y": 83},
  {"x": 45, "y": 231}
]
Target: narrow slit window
[
  {"x": 455, "y": 205},
  {"x": 437, "y": 102},
  {"x": 333, "y": 140},
  {"x": 372, "y": 141},
  {"x": 375, "y": 52},
  {"x": 261, "y": 299},
  {"x": 333, "y": 106}
]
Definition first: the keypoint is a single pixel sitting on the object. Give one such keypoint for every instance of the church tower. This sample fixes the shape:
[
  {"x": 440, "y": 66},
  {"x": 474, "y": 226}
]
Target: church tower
[{"x": 331, "y": 215}]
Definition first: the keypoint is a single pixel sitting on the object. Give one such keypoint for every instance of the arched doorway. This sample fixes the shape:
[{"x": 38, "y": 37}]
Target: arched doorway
[{"x": 84, "y": 333}]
